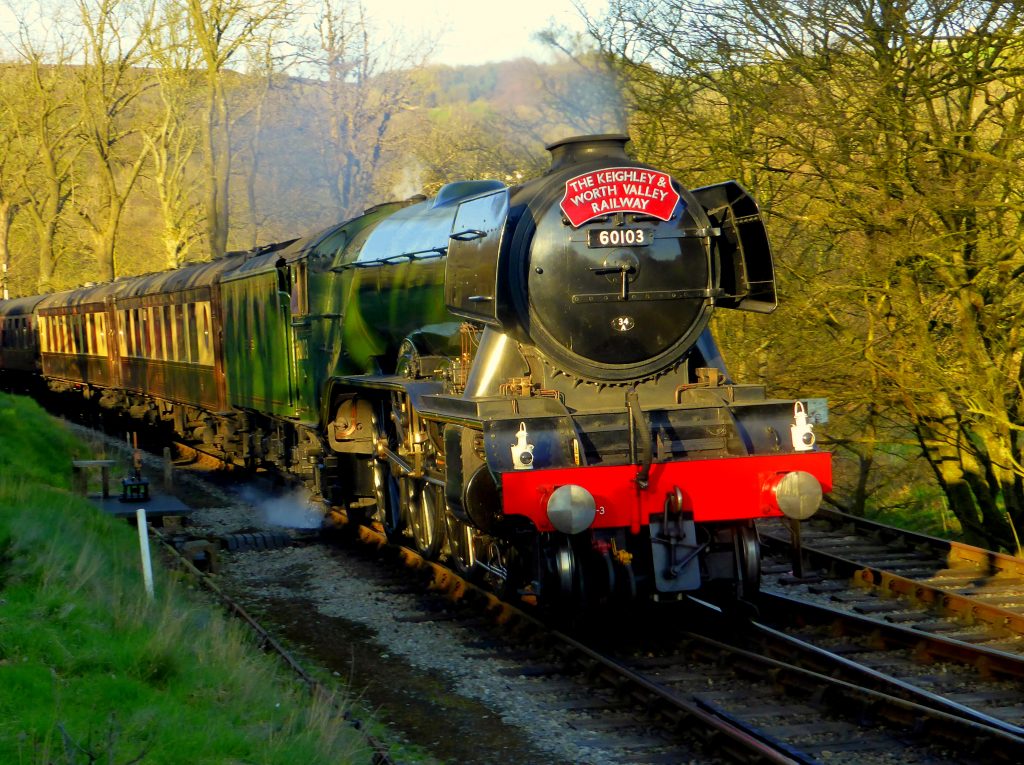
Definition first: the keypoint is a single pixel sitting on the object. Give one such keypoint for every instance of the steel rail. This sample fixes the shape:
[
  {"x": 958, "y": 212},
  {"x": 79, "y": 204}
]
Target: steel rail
[
  {"x": 956, "y": 552},
  {"x": 772, "y": 640},
  {"x": 926, "y": 646},
  {"x": 996, "y": 744},
  {"x": 748, "y": 743},
  {"x": 887, "y": 582},
  {"x": 267, "y": 642}
]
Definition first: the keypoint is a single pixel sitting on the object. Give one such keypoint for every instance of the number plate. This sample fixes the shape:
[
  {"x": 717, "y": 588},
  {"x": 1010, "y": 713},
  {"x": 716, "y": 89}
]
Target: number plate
[{"x": 620, "y": 237}]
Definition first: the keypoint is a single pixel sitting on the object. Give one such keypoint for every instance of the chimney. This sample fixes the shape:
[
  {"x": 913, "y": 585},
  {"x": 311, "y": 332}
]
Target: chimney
[{"x": 586, "y": 148}]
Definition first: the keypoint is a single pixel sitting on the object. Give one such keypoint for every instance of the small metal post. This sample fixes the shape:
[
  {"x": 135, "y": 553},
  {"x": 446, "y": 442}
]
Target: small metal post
[
  {"x": 80, "y": 479},
  {"x": 168, "y": 469},
  {"x": 798, "y": 551},
  {"x": 147, "y": 563}
]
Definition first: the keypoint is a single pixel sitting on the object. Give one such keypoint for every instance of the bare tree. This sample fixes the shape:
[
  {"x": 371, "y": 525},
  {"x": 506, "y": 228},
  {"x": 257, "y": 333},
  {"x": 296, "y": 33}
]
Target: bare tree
[
  {"x": 364, "y": 84},
  {"x": 46, "y": 126},
  {"x": 173, "y": 136},
  {"x": 265, "y": 78},
  {"x": 110, "y": 86},
  {"x": 13, "y": 162},
  {"x": 221, "y": 30}
]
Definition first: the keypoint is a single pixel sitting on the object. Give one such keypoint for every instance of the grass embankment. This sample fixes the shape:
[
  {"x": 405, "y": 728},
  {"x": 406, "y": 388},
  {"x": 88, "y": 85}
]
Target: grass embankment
[{"x": 91, "y": 671}]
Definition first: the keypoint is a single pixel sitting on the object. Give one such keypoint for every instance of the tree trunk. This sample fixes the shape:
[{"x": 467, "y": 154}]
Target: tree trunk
[{"x": 7, "y": 210}]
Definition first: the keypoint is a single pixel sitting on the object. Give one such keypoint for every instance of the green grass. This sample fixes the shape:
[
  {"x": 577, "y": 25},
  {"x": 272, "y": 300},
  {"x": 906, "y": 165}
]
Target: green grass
[{"x": 92, "y": 671}]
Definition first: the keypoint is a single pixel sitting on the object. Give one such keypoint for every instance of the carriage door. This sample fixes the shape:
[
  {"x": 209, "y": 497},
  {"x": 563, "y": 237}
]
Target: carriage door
[
  {"x": 471, "y": 270},
  {"x": 303, "y": 377}
]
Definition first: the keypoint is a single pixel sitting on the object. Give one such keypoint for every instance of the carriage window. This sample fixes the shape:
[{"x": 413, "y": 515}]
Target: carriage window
[
  {"x": 193, "y": 334},
  {"x": 205, "y": 338},
  {"x": 181, "y": 335},
  {"x": 147, "y": 334},
  {"x": 122, "y": 332},
  {"x": 168, "y": 333},
  {"x": 284, "y": 280},
  {"x": 101, "y": 334},
  {"x": 137, "y": 347},
  {"x": 90, "y": 333},
  {"x": 157, "y": 317}
]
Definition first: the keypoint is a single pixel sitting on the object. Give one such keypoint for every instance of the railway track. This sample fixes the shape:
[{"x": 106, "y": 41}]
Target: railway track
[
  {"x": 964, "y": 679},
  {"x": 931, "y": 584},
  {"x": 747, "y": 701},
  {"x": 813, "y": 704}
]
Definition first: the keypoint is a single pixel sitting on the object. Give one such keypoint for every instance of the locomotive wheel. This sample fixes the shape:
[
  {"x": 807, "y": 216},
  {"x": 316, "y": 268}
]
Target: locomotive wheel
[
  {"x": 386, "y": 493},
  {"x": 748, "y": 562},
  {"x": 461, "y": 546},
  {"x": 566, "y": 580},
  {"x": 565, "y": 570},
  {"x": 386, "y": 490},
  {"x": 426, "y": 519},
  {"x": 565, "y": 591}
]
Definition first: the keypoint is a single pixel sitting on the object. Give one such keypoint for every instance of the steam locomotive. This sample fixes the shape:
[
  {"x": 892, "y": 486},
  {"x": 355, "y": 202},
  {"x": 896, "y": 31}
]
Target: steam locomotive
[{"x": 518, "y": 380}]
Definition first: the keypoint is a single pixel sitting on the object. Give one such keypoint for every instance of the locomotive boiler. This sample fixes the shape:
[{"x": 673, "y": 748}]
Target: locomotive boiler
[{"x": 518, "y": 380}]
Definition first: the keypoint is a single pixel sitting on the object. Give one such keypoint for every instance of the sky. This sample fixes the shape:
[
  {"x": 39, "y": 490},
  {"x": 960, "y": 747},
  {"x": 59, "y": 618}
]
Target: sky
[
  {"x": 477, "y": 31},
  {"x": 462, "y": 32}
]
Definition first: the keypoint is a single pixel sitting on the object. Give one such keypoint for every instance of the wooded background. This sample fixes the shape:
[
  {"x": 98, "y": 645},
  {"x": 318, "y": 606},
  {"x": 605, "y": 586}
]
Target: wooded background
[{"x": 882, "y": 138}]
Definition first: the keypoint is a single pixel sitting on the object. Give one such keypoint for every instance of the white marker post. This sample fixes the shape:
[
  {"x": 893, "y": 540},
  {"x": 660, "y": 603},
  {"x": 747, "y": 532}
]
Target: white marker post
[{"x": 147, "y": 564}]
